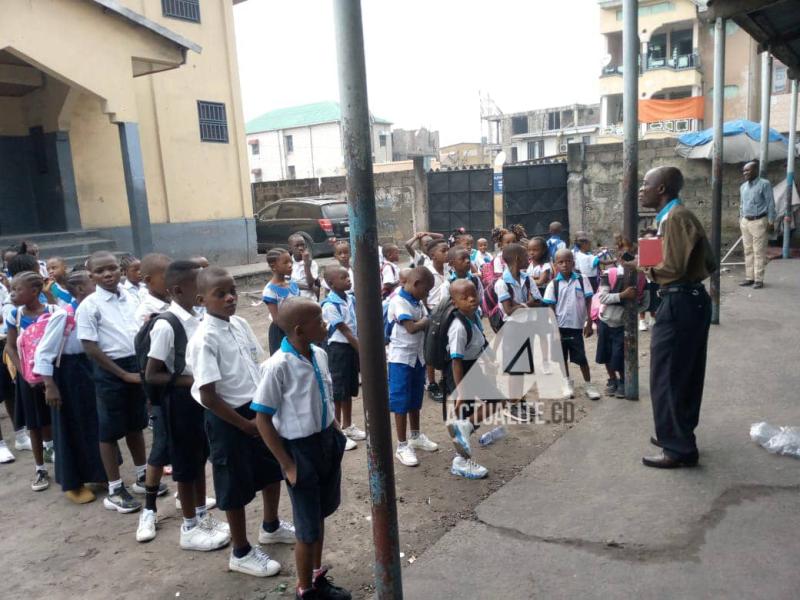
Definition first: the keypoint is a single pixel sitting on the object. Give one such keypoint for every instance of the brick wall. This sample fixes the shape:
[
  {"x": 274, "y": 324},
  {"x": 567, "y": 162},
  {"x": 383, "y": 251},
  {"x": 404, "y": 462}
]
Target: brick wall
[
  {"x": 595, "y": 187},
  {"x": 394, "y": 199}
]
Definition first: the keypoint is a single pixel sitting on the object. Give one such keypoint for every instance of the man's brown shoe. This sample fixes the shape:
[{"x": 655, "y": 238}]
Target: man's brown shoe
[
  {"x": 747, "y": 282},
  {"x": 662, "y": 461}
]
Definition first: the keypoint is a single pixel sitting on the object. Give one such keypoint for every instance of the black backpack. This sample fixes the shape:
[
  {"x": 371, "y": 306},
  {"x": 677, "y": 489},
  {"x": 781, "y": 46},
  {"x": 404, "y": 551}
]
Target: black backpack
[
  {"x": 156, "y": 393},
  {"x": 436, "y": 341},
  {"x": 557, "y": 281}
]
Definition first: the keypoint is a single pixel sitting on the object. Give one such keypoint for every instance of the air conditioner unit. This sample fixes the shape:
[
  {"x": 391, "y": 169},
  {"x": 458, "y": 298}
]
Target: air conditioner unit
[{"x": 562, "y": 148}]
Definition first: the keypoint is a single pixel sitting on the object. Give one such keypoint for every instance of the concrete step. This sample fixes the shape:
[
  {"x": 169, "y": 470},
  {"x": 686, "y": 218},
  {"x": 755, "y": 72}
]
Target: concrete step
[
  {"x": 69, "y": 244},
  {"x": 80, "y": 259}
]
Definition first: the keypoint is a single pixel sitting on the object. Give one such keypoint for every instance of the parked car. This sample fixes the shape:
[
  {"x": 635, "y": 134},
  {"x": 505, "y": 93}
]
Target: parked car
[{"x": 320, "y": 220}]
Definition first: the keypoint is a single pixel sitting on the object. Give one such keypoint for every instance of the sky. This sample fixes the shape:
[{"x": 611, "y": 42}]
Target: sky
[{"x": 428, "y": 61}]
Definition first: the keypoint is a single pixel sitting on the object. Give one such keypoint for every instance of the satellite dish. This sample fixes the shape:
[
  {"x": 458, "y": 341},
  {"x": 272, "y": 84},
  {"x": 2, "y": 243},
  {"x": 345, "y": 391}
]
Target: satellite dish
[{"x": 606, "y": 60}]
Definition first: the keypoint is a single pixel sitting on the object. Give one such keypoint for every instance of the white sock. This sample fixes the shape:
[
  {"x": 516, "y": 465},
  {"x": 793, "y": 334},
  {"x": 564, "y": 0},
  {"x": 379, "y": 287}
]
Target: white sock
[
  {"x": 114, "y": 485},
  {"x": 48, "y": 445},
  {"x": 140, "y": 471},
  {"x": 189, "y": 523},
  {"x": 2, "y": 444},
  {"x": 41, "y": 468},
  {"x": 200, "y": 511},
  {"x": 402, "y": 444},
  {"x": 21, "y": 434}
]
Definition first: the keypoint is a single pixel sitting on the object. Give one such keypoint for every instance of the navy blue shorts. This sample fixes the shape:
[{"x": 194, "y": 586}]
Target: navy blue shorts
[
  {"x": 316, "y": 493},
  {"x": 7, "y": 391},
  {"x": 572, "y": 346},
  {"x": 406, "y": 387},
  {"x": 242, "y": 465},
  {"x": 611, "y": 346},
  {"x": 343, "y": 362},
  {"x": 186, "y": 435},
  {"x": 121, "y": 407}
]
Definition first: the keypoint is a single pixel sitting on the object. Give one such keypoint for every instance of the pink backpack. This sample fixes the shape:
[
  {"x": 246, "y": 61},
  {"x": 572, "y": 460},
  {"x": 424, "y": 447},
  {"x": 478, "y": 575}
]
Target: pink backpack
[
  {"x": 29, "y": 338},
  {"x": 597, "y": 306}
]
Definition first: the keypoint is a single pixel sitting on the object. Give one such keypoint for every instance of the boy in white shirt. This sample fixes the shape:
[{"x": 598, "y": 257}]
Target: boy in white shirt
[
  {"x": 106, "y": 326},
  {"x": 223, "y": 355},
  {"x": 570, "y": 296},
  {"x": 305, "y": 270},
  {"x": 154, "y": 296},
  {"x": 437, "y": 250},
  {"x": 390, "y": 272},
  {"x": 295, "y": 417},
  {"x": 408, "y": 320}
]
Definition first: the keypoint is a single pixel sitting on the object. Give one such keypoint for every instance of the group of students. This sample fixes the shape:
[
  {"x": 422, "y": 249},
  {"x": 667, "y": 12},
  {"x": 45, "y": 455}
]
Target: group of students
[{"x": 98, "y": 352}]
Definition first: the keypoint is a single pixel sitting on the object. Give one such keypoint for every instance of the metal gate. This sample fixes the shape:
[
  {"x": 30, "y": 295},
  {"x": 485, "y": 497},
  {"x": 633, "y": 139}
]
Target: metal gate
[
  {"x": 535, "y": 196},
  {"x": 461, "y": 198}
]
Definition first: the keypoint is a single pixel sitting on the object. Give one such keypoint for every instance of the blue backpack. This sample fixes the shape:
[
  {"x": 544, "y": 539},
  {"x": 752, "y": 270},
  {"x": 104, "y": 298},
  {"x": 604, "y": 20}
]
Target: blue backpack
[{"x": 387, "y": 326}]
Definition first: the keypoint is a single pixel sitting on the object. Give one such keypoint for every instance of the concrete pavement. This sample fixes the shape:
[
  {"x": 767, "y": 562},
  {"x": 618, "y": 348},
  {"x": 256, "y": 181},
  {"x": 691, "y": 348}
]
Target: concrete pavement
[{"x": 587, "y": 520}]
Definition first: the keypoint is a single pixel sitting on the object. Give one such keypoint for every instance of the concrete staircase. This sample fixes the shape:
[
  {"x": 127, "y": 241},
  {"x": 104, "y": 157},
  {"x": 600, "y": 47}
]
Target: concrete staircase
[{"x": 73, "y": 246}]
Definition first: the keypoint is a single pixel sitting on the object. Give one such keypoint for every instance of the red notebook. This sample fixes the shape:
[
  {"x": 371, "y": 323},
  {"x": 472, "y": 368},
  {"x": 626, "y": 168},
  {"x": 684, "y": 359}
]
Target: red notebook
[{"x": 651, "y": 252}]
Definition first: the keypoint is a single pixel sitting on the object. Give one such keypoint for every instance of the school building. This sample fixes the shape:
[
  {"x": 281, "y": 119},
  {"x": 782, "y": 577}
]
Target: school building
[{"x": 121, "y": 128}]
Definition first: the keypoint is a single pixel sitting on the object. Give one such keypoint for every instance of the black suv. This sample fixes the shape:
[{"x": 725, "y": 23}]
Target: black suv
[{"x": 319, "y": 220}]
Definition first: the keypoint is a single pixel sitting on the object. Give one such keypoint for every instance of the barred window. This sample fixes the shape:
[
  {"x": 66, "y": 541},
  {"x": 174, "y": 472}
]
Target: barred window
[
  {"x": 213, "y": 122},
  {"x": 188, "y": 10}
]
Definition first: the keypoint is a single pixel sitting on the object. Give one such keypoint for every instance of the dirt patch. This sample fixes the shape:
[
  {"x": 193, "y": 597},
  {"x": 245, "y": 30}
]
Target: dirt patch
[{"x": 57, "y": 550}]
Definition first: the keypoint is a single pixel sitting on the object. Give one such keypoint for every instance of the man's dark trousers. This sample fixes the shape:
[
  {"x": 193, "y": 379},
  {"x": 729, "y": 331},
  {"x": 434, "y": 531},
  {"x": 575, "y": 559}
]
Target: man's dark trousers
[{"x": 677, "y": 369}]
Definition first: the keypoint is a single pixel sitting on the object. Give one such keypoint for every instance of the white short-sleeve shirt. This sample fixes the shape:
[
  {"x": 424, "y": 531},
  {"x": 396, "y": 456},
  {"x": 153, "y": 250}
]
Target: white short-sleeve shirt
[
  {"x": 298, "y": 393},
  {"x": 457, "y": 346},
  {"x": 337, "y": 309},
  {"x": 109, "y": 318},
  {"x": 61, "y": 296},
  {"x": 389, "y": 273},
  {"x": 299, "y": 277},
  {"x": 162, "y": 337},
  {"x": 586, "y": 263},
  {"x": 536, "y": 271},
  {"x": 441, "y": 287},
  {"x": 135, "y": 290},
  {"x": 571, "y": 302},
  {"x": 508, "y": 288},
  {"x": 405, "y": 348},
  {"x": 149, "y": 305},
  {"x": 54, "y": 343},
  {"x": 225, "y": 353},
  {"x": 498, "y": 264},
  {"x": 478, "y": 258}
]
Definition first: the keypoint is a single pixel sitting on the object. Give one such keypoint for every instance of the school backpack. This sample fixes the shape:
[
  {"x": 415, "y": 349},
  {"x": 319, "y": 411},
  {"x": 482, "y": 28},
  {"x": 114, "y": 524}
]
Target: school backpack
[
  {"x": 29, "y": 338},
  {"x": 615, "y": 285},
  {"x": 141, "y": 344},
  {"x": 488, "y": 276},
  {"x": 387, "y": 325},
  {"x": 491, "y": 307},
  {"x": 436, "y": 341}
]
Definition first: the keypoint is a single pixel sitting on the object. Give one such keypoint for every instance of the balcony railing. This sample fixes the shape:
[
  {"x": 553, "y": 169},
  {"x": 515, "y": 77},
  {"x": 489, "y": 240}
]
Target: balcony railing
[
  {"x": 676, "y": 63},
  {"x": 670, "y": 126}
]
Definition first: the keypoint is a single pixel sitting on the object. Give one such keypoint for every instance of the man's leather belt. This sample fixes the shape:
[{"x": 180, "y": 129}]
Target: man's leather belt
[{"x": 761, "y": 216}]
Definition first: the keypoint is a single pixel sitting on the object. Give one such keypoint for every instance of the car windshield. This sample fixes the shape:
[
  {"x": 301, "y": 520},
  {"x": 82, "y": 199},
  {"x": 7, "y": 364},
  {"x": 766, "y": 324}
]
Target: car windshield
[{"x": 335, "y": 211}]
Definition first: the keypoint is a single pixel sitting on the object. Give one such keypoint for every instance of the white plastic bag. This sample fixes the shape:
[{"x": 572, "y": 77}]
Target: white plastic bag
[{"x": 777, "y": 440}]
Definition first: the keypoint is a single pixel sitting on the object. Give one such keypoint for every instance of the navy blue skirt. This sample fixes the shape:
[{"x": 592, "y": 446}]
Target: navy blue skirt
[{"x": 75, "y": 425}]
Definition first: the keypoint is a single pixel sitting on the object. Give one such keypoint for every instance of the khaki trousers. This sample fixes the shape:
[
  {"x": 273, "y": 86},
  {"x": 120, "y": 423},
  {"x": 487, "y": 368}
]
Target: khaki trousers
[{"x": 754, "y": 240}]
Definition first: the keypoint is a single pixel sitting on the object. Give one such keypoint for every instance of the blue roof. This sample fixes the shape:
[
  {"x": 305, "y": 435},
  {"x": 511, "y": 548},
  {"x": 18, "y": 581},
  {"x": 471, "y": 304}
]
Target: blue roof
[
  {"x": 300, "y": 116},
  {"x": 738, "y": 127}
]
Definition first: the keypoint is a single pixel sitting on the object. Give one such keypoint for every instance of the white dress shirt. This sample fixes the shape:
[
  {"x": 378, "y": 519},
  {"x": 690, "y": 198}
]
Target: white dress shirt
[
  {"x": 337, "y": 309},
  {"x": 162, "y": 337},
  {"x": 405, "y": 348},
  {"x": 109, "y": 318},
  {"x": 225, "y": 353},
  {"x": 149, "y": 305},
  {"x": 299, "y": 277},
  {"x": 53, "y": 343}
]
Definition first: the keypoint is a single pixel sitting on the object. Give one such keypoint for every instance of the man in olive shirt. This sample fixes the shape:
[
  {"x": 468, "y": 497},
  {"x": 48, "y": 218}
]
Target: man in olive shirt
[
  {"x": 757, "y": 212},
  {"x": 680, "y": 336}
]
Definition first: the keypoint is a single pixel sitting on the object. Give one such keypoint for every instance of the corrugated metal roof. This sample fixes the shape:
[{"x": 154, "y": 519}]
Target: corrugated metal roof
[{"x": 300, "y": 116}]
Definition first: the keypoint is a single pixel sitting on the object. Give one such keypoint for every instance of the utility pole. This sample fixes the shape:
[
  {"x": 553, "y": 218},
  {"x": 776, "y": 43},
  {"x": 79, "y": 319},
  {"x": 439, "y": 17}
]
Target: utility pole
[
  {"x": 787, "y": 215},
  {"x": 364, "y": 240},
  {"x": 716, "y": 162},
  {"x": 630, "y": 181}
]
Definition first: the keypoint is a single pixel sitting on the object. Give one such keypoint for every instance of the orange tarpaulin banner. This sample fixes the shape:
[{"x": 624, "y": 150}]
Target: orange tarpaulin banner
[{"x": 651, "y": 111}]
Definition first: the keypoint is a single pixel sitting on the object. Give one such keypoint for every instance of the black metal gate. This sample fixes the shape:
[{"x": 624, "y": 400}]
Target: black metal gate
[
  {"x": 461, "y": 198},
  {"x": 535, "y": 196}
]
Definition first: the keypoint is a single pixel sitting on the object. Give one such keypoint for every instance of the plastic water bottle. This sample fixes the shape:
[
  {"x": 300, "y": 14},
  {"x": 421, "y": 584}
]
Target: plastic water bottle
[{"x": 490, "y": 437}]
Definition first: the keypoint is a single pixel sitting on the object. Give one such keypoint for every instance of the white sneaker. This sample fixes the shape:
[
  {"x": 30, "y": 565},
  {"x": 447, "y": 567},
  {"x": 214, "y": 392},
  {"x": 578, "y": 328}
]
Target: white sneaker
[
  {"x": 421, "y": 442},
  {"x": 568, "y": 389},
  {"x": 203, "y": 538},
  {"x": 468, "y": 468},
  {"x": 592, "y": 393},
  {"x": 210, "y": 502},
  {"x": 147, "y": 526},
  {"x": 642, "y": 325},
  {"x": 350, "y": 445},
  {"x": 256, "y": 563},
  {"x": 459, "y": 432},
  {"x": 354, "y": 433},
  {"x": 284, "y": 534},
  {"x": 23, "y": 442},
  {"x": 406, "y": 455},
  {"x": 5, "y": 454},
  {"x": 210, "y": 521}
]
